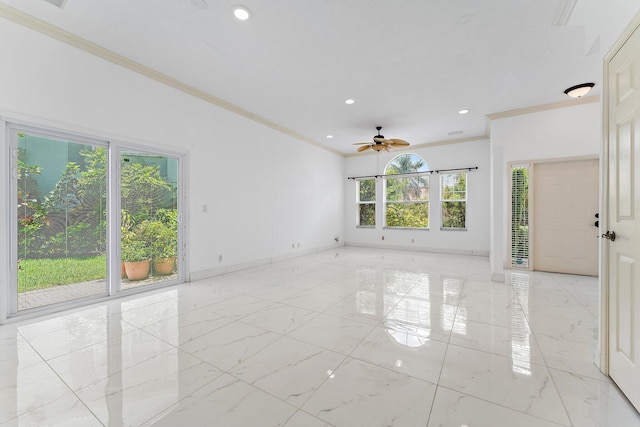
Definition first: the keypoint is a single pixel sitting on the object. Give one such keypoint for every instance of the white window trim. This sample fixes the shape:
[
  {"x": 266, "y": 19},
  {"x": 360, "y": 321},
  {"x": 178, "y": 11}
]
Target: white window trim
[{"x": 443, "y": 201}]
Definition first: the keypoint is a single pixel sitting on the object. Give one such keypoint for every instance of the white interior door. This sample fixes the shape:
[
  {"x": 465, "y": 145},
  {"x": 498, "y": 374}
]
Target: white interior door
[
  {"x": 623, "y": 98},
  {"x": 565, "y": 203}
]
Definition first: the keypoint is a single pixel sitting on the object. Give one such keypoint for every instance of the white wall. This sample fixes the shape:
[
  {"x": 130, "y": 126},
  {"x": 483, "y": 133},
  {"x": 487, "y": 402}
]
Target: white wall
[
  {"x": 475, "y": 240},
  {"x": 570, "y": 132},
  {"x": 264, "y": 190}
]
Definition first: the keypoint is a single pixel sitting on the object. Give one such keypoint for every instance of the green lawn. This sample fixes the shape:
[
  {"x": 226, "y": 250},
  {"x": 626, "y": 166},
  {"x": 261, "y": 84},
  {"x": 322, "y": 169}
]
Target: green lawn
[{"x": 45, "y": 273}]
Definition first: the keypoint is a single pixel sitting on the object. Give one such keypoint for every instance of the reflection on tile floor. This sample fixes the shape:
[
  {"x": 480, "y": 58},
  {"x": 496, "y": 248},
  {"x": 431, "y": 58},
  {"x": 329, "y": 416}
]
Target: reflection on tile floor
[{"x": 349, "y": 337}]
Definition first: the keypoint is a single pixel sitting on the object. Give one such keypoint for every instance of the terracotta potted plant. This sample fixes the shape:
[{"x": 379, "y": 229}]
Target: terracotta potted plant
[
  {"x": 165, "y": 249},
  {"x": 136, "y": 256}
]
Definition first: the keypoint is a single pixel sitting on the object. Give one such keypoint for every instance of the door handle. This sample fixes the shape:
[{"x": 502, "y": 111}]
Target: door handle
[{"x": 610, "y": 235}]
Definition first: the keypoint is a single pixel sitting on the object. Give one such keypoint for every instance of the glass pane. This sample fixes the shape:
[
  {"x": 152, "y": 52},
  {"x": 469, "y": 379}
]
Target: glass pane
[
  {"x": 149, "y": 219},
  {"x": 61, "y": 220},
  {"x": 408, "y": 189},
  {"x": 406, "y": 163},
  {"x": 367, "y": 190},
  {"x": 408, "y": 215},
  {"x": 454, "y": 186},
  {"x": 367, "y": 214},
  {"x": 453, "y": 214}
]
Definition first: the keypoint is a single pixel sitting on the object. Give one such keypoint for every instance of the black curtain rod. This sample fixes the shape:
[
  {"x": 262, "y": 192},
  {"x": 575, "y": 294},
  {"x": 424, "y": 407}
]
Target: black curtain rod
[{"x": 413, "y": 173}]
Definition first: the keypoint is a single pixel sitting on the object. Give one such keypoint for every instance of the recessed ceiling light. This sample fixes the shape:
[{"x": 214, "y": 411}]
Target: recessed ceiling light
[
  {"x": 349, "y": 101},
  {"x": 463, "y": 111},
  {"x": 241, "y": 12},
  {"x": 580, "y": 90},
  {"x": 329, "y": 136}
]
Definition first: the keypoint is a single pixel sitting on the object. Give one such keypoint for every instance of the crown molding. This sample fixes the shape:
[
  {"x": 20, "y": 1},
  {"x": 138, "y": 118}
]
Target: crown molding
[
  {"x": 544, "y": 107},
  {"x": 426, "y": 145},
  {"x": 45, "y": 28}
]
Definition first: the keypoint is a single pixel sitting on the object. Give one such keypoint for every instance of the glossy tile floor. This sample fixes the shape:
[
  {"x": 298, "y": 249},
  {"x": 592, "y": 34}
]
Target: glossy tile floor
[{"x": 350, "y": 337}]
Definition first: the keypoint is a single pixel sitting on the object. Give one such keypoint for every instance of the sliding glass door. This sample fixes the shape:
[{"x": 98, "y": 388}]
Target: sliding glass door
[
  {"x": 149, "y": 218},
  {"x": 61, "y": 222},
  {"x": 86, "y": 226}
]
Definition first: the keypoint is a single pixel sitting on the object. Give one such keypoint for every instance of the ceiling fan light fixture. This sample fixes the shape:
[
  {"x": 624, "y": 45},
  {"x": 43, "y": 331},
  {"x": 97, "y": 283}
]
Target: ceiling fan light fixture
[
  {"x": 241, "y": 12},
  {"x": 580, "y": 90}
]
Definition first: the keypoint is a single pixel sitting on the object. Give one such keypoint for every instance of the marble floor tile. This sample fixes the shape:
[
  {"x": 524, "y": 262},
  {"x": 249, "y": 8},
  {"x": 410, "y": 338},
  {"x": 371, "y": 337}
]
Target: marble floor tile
[
  {"x": 573, "y": 323},
  {"x": 155, "y": 385},
  {"x": 592, "y": 402},
  {"x": 26, "y": 381},
  {"x": 289, "y": 369},
  {"x": 275, "y": 293},
  {"x": 344, "y": 337},
  {"x": 64, "y": 340},
  {"x": 332, "y": 333},
  {"x": 314, "y": 299},
  {"x": 302, "y": 419},
  {"x": 505, "y": 314},
  {"x": 524, "y": 387},
  {"x": 571, "y": 356},
  {"x": 88, "y": 365},
  {"x": 188, "y": 326},
  {"x": 226, "y": 401},
  {"x": 433, "y": 317},
  {"x": 231, "y": 344},
  {"x": 65, "y": 411},
  {"x": 451, "y": 408},
  {"x": 516, "y": 342},
  {"x": 239, "y": 306},
  {"x": 361, "y": 307},
  {"x": 361, "y": 394},
  {"x": 403, "y": 350},
  {"x": 280, "y": 318}
]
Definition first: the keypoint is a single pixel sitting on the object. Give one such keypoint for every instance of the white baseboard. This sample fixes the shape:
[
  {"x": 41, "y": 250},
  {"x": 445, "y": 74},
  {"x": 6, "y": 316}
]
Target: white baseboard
[
  {"x": 219, "y": 271},
  {"x": 452, "y": 251}
]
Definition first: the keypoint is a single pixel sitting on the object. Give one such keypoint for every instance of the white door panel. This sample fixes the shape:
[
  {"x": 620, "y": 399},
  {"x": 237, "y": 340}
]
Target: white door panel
[
  {"x": 565, "y": 204},
  {"x": 623, "y": 100}
]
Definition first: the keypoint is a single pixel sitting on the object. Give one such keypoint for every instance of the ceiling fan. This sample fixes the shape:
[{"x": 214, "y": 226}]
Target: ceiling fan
[{"x": 380, "y": 143}]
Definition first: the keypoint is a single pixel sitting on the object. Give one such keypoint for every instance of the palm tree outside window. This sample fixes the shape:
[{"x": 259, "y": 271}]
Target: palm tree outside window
[{"x": 407, "y": 197}]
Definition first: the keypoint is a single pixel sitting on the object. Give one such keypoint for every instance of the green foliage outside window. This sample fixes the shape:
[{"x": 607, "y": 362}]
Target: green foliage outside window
[
  {"x": 454, "y": 196},
  {"x": 408, "y": 215},
  {"x": 407, "y": 197},
  {"x": 367, "y": 203}
]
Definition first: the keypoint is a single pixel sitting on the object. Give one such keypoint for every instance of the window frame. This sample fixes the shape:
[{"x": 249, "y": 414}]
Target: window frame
[
  {"x": 8, "y": 289},
  {"x": 448, "y": 200},
  {"x": 407, "y": 175},
  {"x": 360, "y": 202}
]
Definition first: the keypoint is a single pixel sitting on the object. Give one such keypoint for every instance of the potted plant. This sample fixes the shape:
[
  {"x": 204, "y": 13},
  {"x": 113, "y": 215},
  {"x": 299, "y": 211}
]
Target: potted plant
[
  {"x": 165, "y": 249},
  {"x": 136, "y": 256},
  {"x": 163, "y": 242}
]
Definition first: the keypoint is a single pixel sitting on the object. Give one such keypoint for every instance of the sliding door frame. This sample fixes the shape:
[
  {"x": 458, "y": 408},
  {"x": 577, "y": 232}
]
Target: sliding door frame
[{"x": 8, "y": 181}]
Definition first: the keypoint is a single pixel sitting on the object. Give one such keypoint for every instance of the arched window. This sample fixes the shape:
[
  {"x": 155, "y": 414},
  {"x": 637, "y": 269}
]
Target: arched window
[{"x": 407, "y": 194}]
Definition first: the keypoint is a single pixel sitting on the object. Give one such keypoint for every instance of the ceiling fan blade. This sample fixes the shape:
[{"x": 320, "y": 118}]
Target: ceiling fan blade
[
  {"x": 364, "y": 148},
  {"x": 399, "y": 142},
  {"x": 361, "y": 143}
]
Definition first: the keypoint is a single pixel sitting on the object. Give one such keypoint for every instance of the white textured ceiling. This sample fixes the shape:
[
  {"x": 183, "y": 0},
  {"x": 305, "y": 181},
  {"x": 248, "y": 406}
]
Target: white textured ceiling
[{"x": 409, "y": 64}]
